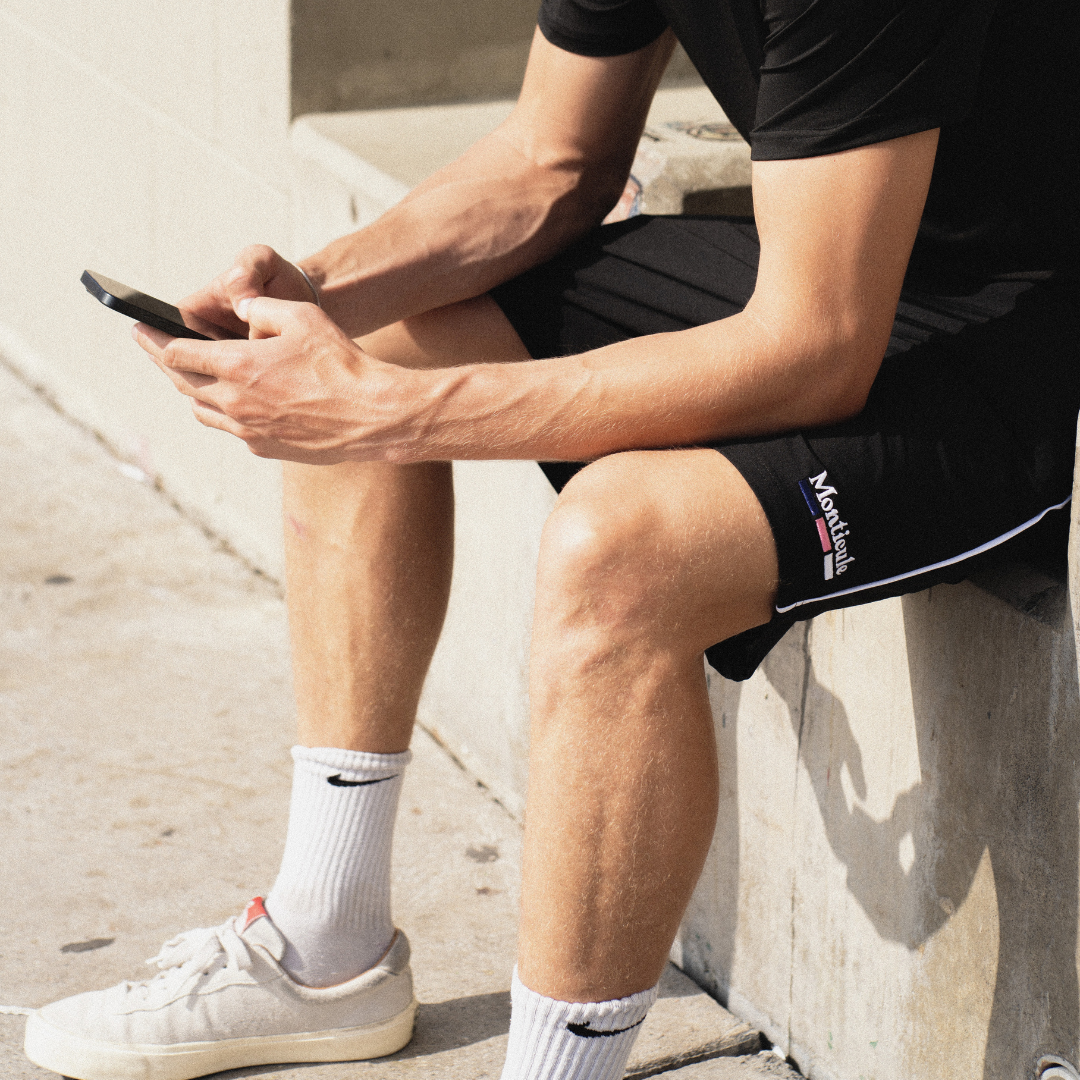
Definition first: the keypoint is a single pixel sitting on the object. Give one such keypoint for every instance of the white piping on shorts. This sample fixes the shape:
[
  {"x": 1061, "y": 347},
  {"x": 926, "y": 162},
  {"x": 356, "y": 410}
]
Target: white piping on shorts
[{"x": 935, "y": 566}]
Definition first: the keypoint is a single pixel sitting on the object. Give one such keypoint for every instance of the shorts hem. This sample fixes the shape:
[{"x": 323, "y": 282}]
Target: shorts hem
[{"x": 933, "y": 567}]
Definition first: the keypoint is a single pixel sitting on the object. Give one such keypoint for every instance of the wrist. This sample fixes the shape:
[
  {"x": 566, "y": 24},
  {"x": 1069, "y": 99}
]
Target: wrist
[
  {"x": 339, "y": 284},
  {"x": 310, "y": 284}
]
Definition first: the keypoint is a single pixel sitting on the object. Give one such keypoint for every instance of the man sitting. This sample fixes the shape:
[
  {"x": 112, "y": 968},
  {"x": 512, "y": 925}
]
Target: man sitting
[{"x": 859, "y": 393}]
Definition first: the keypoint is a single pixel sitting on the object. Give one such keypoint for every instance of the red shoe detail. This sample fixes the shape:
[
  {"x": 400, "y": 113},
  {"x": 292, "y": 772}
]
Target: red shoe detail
[{"x": 253, "y": 911}]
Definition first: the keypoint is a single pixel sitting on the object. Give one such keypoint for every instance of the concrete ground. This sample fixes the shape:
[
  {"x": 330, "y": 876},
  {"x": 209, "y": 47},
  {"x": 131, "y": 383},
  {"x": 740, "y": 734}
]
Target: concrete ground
[{"x": 144, "y": 733}]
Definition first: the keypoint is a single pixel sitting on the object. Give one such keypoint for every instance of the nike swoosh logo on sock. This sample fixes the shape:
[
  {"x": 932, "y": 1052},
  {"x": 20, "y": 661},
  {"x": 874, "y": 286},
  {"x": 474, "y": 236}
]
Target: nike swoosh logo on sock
[
  {"x": 587, "y": 1032},
  {"x": 336, "y": 781}
]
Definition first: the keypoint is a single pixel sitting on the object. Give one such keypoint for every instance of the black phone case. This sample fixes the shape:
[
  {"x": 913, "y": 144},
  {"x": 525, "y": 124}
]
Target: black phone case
[{"x": 123, "y": 299}]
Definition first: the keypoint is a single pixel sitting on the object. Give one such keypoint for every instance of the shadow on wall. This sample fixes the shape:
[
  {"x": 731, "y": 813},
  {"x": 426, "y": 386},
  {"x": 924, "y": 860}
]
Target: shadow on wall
[
  {"x": 709, "y": 956},
  {"x": 998, "y": 746}
]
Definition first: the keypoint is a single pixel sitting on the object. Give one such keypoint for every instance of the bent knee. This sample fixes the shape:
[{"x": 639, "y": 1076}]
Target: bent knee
[
  {"x": 665, "y": 545},
  {"x": 398, "y": 344},
  {"x": 600, "y": 548}
]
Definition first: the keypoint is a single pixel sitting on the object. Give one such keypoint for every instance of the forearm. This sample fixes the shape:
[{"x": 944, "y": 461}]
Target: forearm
[
  {"x": 836, "y": 232},
  {"x": 548, "y": 173},
  {"x": 836, "y": 236},
  {"x": 726, "y": 380},
  {"x": 481, "y": 220}
]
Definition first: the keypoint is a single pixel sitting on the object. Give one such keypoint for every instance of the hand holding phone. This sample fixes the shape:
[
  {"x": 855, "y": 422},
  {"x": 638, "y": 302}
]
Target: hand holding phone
[{"x": 150, "y": 310}]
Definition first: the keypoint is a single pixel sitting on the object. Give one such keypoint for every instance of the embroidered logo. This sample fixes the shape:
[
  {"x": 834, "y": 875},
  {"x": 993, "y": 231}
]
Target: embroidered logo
[
  {"x": 832, "y": 532},
  {"x": 586, "y": 1032}
]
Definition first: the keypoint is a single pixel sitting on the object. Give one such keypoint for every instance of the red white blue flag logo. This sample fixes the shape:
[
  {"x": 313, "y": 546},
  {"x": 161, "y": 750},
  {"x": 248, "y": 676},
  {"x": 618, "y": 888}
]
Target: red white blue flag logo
[{"x": 832, "y": 532}]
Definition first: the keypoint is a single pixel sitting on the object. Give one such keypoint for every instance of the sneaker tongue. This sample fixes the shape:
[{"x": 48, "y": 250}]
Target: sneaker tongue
[{"x": 254, "y": 926}]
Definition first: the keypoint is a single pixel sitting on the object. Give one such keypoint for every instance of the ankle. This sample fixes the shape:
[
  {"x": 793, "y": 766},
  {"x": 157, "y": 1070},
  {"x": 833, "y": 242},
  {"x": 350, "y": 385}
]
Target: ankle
[
  {"x": 564, "y": 1040},
  {"x": 318, "y": 954},
  {"x": 331, "y": 900}
]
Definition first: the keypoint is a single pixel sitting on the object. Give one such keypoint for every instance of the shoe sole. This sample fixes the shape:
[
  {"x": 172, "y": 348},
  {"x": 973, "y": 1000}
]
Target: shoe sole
[{"x": 86, "y": 1059}]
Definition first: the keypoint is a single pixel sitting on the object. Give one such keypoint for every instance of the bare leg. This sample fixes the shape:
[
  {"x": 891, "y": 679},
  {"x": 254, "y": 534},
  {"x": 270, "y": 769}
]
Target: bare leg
[
  {"x": 648, "y": 559},
  {"x": 369, "y": 549}
]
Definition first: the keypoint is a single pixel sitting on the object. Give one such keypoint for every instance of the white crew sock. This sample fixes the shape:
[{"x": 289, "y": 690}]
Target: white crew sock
[
  {"x": 331, "y": 900},
  {"x": 544, "y": 1044}
]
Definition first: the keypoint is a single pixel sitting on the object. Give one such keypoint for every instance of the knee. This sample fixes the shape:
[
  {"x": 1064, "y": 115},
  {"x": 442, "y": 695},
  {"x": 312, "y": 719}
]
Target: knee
[
  {"x": 397, "y": 344},
  {"x": 598, "y": 553}
]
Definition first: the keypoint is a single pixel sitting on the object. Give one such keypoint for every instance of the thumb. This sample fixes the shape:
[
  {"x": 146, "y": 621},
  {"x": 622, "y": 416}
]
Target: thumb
[{"x": 265, "y": 316}]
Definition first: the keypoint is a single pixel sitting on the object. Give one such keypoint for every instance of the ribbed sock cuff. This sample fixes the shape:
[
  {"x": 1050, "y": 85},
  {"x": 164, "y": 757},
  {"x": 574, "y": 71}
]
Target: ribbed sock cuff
[
  {"x": 331, "y": 900},
  {"x": 572, "y": 1040},
  {"x": 325, "y": 760}
]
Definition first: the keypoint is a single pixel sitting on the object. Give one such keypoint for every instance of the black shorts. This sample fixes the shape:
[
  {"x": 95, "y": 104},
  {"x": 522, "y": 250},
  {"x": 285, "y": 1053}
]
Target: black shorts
[{"x": 963, "y": 453}]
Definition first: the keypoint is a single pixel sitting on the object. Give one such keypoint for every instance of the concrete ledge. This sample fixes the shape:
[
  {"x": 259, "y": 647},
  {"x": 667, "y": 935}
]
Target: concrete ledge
[
  {"x": 353, "y": 166},
  {"x": 685, "y": 1026},
  {"x": 761, "y": 1066}
]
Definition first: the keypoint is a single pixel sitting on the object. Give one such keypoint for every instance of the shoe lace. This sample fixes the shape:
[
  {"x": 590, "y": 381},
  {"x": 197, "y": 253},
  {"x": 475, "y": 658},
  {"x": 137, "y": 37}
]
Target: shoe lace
[{"x": 194, "y": 949}]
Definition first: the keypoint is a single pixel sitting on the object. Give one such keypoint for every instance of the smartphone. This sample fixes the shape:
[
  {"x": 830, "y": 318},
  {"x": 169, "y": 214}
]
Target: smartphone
[{"x": 153, "y": 312}]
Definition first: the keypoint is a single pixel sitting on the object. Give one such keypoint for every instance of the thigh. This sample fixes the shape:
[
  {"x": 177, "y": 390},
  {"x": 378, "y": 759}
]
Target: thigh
[
  {"x": 647, "y": 275},
  {"x": 470, "y": 332},
  {"x": 964, "y": 450},
  {"x": 963, "y": 455}
]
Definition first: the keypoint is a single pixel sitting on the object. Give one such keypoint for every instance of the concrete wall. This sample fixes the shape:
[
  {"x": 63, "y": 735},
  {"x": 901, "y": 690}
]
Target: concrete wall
[
  {"x": 374, "y": 55},
  {"x": 347, "y": 55},
  {"x": 147, "y": 140},
  {"x": 897, "y": 893},
  {"x": 150, "y": 141}
]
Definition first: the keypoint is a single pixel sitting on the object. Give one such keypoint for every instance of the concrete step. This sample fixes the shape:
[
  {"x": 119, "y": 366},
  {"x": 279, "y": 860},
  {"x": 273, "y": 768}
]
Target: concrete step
[
  {"x": 765, "y": 1064},
  {"x": 145, "y": 721},
  {"x": 352, "y": 166}
]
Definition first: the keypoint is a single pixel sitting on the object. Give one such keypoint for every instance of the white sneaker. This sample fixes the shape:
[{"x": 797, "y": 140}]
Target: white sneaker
[{"x": 222, "y": 1001}]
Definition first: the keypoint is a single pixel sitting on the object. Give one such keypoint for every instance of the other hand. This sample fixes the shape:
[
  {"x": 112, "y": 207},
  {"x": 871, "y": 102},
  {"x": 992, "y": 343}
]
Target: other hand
[
  {"x": 299, "y": 389},
  {"x": 257, "y": 271}
]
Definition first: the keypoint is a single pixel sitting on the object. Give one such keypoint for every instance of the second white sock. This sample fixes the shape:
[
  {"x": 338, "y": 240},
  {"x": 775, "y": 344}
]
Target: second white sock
[
  {"x": 571, "y": 1040},
  {"x": 331, "y": 900}
]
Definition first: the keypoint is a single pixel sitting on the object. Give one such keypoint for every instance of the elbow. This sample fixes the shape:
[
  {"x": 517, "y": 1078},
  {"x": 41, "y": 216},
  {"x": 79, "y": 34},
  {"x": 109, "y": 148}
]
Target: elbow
[
  {"x": 600, "y": 190},
  {"x": 830, "y": 360},
  {"x": 846, "y": 401},
  {"x": 844, "y": 378}
]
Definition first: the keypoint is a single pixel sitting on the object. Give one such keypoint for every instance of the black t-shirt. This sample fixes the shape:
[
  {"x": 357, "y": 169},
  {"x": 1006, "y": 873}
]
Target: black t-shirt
[{"x": 800, "y": 78}]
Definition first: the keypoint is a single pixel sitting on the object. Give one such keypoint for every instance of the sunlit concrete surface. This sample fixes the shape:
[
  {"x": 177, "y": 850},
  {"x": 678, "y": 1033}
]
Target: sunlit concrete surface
[{"x": 145, "y": 722}]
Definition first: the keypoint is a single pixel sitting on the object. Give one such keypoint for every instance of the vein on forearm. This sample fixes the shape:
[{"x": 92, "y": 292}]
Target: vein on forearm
[{"x": 737, "y": 378}]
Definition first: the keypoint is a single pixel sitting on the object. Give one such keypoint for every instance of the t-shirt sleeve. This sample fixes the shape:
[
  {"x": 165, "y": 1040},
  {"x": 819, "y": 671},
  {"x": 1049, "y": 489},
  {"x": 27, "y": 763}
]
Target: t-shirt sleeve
[
  {"x": 837, "y": 74},
  {"x": 601, "y": 27}
]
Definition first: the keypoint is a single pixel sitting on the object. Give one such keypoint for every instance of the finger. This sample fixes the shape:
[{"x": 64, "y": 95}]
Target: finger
[
  {"x": 156, "y": 342},
  {"x": 255, "y": 266},
  {"x": 184, "y": 356},
  {"x": 212, "y": 306},
  {"x": 267, "y": 317},
  {"x": 257, "y": 271},
  {"x": 212, "y": 417},
  {"x": 258, "y": 444},
  {"x": 261, "y": 271},
  {"x": 150, "y": 339},
  {"x": 253, "y": 273},
  {"x": 187, "y": 382},
  {"x": 215, "y": 303}
]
